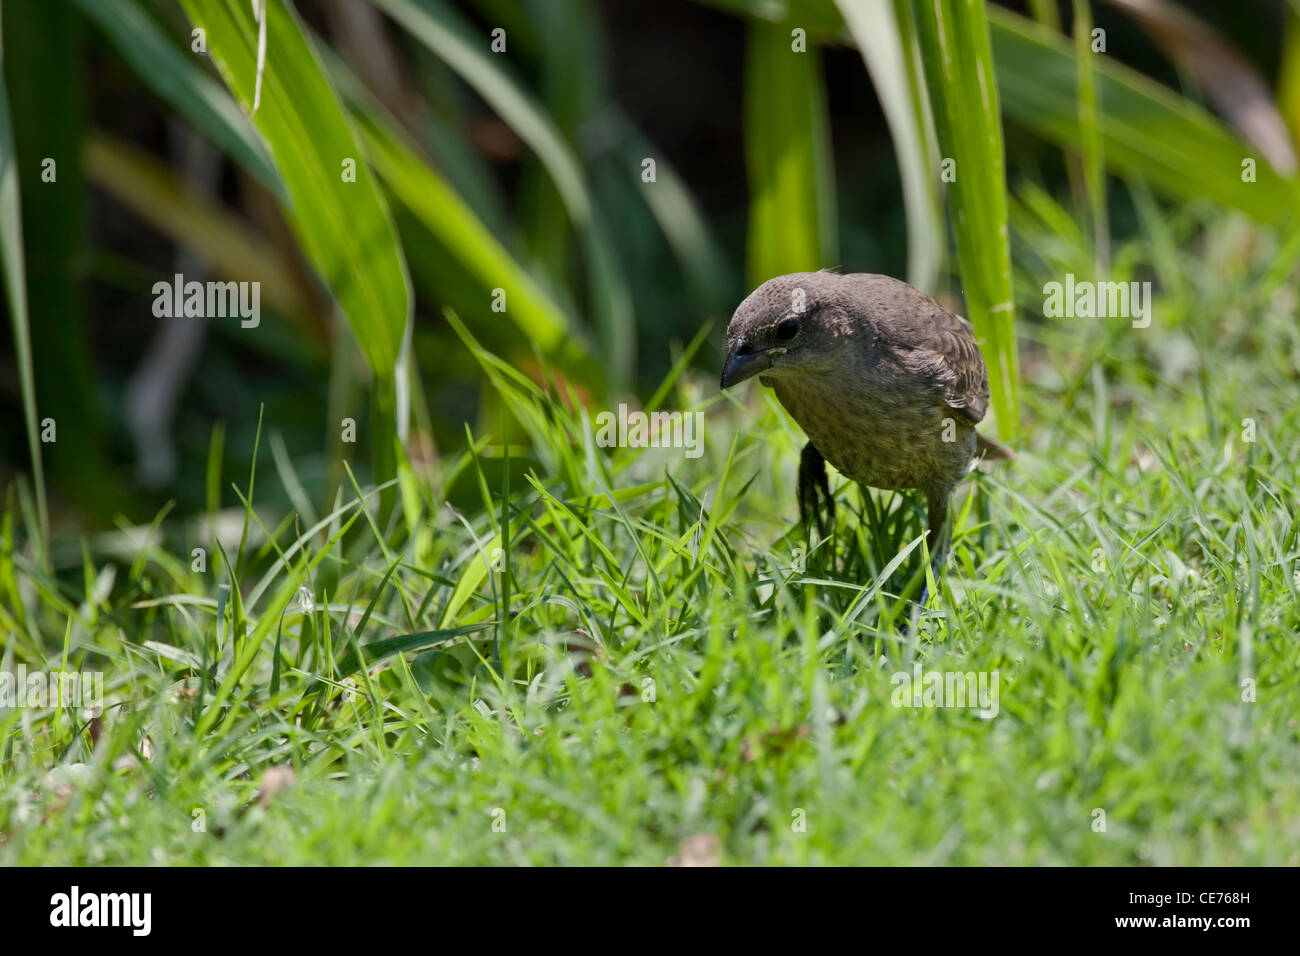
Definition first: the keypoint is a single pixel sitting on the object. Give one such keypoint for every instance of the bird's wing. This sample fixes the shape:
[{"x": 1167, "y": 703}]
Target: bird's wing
[
  {"x": 931, "y": 341},
  {"x": 955, "y": 361}
]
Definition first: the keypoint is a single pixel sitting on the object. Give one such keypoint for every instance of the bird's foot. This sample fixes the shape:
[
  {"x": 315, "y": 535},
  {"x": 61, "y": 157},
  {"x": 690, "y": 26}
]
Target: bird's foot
[
  {"x": 814, "y": 489},
  {"x": 939, "y": 542}
]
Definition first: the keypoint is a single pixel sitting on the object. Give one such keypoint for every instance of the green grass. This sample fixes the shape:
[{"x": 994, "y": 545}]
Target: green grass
[{"x": 1122, "y": 576}]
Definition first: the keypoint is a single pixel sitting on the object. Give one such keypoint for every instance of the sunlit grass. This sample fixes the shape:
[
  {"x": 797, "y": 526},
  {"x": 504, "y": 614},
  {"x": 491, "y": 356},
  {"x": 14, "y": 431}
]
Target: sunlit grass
[{"x": 643, "y": 660}]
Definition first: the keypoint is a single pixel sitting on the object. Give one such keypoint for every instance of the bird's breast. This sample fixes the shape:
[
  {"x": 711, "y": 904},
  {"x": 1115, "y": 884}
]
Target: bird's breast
[{"x": 891, "y": 438}]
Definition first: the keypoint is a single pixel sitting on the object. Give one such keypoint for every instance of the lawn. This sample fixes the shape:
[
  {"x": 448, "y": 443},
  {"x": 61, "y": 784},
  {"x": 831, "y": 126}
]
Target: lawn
[{"x": 577, "y": 655}]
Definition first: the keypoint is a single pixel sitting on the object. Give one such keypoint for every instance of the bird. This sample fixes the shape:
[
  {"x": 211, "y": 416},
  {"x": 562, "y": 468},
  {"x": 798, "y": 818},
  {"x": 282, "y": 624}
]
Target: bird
[{"x": 887, "y": 384}]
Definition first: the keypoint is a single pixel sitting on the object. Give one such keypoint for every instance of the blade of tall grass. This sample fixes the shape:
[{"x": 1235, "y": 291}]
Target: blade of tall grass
[
  {"x": 1045, "y": 12},
  {"x": 1094, "y": 170},
  {"x": 377, "y": 651},
  {"x": 338, "y": 213},
  {"x": 151, "y": 190},
  {"x": 464, "y": 239},
  {"x": 1230, "y": 82},
  {"x": 453, "y": 40},
  {"x": 15, "y": 280},
  {"x": 954, "y": 38},
  {"x": 45, "y": 66},
  {"x": 569, "y": 82},
  {"x": 819, "y": 17},
  {"x": 1147, "y": 131},
  {"x": 884, "y": 32},
  {"x": 1288, "y": 72},
  {"x": 787, "y": 150},
  {"x": 178, "y": 80},
  {"x": 683, "y": 223}
]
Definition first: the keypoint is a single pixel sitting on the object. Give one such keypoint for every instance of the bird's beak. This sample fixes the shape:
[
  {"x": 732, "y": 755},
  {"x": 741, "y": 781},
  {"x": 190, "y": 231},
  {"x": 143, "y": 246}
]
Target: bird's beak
[{"x": 742, "y": 365}]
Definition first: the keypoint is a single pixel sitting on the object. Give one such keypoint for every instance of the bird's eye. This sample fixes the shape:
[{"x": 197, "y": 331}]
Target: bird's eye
[{"x": 787, "y": 329}]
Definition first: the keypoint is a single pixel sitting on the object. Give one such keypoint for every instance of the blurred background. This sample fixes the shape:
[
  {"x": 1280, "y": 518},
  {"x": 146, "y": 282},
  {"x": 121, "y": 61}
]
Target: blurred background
[{"x": 625, "y": 170}]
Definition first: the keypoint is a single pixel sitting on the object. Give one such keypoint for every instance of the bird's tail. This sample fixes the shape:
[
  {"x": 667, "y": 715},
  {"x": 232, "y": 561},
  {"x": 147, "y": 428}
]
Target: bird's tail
[{"x": 991, "y": 450}]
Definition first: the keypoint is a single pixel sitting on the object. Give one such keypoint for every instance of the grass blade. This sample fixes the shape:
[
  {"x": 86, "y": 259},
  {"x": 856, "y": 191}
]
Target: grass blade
[
  {"x": 452, "y": 40},
  {"x": 479, "y": 260},
  {"x": 338, "y": 212},
  {"x": 954, "y": 39},
  {"x": 15, "y": 279},
  {"x": 176, "y": 78},
  {"x": 377, "y": 651},
  {"x": 885, "y": 35},
  {"x": 787, "y": 149},
  {"x": 1147, "y": 131}
]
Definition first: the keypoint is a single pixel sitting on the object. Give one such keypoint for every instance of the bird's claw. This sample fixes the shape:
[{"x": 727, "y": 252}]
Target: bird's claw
[{"x": 814, "y": 486}]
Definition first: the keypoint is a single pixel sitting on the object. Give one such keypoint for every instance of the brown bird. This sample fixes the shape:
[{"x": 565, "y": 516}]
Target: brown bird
[{"x": 887, "y": 384}]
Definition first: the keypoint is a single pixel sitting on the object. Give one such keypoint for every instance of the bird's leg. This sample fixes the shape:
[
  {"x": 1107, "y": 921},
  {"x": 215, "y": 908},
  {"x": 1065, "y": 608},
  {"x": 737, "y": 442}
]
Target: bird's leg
[
  {"x": 813, "y": 484},
  {"x": 939, "y": 538}
]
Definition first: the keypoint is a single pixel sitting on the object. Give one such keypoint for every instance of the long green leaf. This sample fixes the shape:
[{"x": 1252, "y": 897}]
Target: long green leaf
[
  {"x": 151, "y": 190},
  {"x": 45, "y": 64},
  {"x": 178, "y": 80},
  {"x": 377, "y": 651},
  {"x": 343, "y": 225},
  {"x": 1147, "y": 131},
  {"x": 787, "y": 148},
  {"x": 449, "y": 221},
  {"x": 15, "y": 280},
  {"x": 681, "y": 220},
  {"x": 819, "y": 17},
  {"x": 479, "y": 255},
  {"x": 454, "y": 41},
  {"x": 569, "y": 82},
  {"x": 884, "y": 33},
  {"x": 1094, "y": 170},
  {"x": 954, "y": 39},
  {"x": 1288, "y": 72}
]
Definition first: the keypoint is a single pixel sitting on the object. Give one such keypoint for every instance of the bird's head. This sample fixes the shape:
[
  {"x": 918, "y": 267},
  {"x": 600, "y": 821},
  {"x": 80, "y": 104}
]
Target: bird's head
[{"x": 793, "y": 325}]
